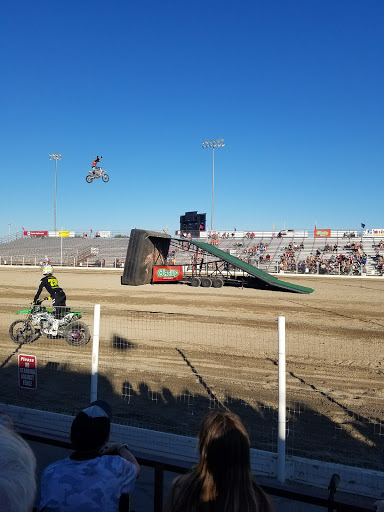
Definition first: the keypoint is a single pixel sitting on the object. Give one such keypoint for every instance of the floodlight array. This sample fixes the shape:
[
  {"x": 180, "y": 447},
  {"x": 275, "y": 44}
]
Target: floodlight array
[{"x": 217, "y": 143}]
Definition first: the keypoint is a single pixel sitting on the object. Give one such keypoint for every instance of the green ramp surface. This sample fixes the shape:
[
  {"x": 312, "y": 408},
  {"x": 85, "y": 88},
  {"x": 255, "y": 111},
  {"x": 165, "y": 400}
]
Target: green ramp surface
[{"x": 250, "y": 269}]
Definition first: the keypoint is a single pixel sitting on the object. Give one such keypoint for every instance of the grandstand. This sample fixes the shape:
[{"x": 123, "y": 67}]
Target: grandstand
[{"x": 290, "y": 251}]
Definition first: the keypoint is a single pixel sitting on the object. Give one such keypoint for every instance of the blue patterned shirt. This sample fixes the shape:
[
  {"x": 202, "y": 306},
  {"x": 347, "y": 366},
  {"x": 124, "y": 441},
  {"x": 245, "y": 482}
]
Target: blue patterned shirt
[{"x": 93, "y": 485}]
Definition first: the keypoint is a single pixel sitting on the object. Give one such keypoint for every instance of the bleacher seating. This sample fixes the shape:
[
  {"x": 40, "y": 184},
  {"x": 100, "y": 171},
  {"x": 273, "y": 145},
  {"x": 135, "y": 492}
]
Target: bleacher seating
[
  {"x": 68, "y": 251},
  {"x": 292, "y": 252}
]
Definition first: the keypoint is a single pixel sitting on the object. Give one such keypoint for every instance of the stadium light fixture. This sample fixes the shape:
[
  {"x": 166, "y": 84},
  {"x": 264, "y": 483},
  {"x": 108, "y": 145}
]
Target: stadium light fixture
[
  {"x": 217, "y": 143},
  {"x": 56, "y": 157}
]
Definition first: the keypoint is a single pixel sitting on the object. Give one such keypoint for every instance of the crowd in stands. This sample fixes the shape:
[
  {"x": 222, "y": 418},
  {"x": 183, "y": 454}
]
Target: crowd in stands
[
  {"x": 332, "y": 258},
  {"x": 323, "y": 263}
]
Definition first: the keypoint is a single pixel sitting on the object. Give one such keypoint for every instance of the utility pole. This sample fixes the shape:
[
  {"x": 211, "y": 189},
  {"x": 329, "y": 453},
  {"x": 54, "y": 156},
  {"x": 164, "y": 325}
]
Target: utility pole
[
  {"x": 56, "y": 157},
  {"x": 218, "y": 143}
]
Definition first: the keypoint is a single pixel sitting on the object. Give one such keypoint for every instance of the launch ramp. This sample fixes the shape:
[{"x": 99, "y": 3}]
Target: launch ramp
[
  {"x": 149, "y": 248},
  {"x": 273, "y": 282}
]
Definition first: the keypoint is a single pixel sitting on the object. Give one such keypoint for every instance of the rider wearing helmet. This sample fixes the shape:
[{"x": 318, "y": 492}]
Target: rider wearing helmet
[
  {"x": 51, "y": 284},
  {"x": 94, "y": 163}
]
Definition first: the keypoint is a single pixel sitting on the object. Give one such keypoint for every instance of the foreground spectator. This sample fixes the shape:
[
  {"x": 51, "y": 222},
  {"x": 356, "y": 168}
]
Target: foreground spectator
[
  {"x": 222, "y": 480},
  {"x": 98, "y": 476},
  {"x": 17, "y": 471}
]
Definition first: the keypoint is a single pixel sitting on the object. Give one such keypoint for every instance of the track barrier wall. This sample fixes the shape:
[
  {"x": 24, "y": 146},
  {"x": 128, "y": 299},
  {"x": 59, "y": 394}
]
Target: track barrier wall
[{"x": 162, "y": 372}]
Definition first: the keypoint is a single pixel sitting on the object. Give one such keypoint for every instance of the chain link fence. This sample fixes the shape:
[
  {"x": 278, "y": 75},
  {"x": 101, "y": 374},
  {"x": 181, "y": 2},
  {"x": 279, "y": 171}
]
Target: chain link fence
[{"x": 164, "y": 371}]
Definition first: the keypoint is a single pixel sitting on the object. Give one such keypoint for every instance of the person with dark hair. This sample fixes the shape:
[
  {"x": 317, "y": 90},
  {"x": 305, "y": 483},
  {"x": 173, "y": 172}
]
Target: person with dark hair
[
  {"x": 98, "y": 476},
  {"x": 222, "y": 480}
]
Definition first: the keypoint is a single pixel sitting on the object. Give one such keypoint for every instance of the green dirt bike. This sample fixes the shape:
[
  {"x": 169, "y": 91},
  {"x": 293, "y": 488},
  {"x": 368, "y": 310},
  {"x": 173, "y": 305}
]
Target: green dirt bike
[{"x": 40, "y": 320}]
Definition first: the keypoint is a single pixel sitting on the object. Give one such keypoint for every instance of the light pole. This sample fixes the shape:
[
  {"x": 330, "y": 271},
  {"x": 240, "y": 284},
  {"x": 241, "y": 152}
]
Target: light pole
[
  {"x": 218, "y": 143},
  {"x": 56, "y": 157},
  {"x": 9, "y": 232}
]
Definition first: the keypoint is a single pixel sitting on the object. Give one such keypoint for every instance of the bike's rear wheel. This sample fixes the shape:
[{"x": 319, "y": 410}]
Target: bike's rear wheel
[
  {"x": 77, "y": 334},
  {"x": 21, "y": 332},
  {"x": 105, "y": 177},
  {"x": 89, "y": 178}
]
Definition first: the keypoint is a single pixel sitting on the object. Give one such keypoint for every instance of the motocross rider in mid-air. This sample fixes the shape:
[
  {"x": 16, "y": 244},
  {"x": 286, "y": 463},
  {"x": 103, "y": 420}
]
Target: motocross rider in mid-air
[
  {"x": 57, "y": 294},
  {"x": 94, "y": 163}
]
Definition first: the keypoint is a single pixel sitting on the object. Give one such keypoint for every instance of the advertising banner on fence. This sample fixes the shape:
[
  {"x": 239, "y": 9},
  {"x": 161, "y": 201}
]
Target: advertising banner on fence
[
  {"x": 35, "y": 233},
  {"x": 322, "y": 232},
  {"x": 375, "y": 232},
  {"x": 103, "y": 234},
  {"x": 27, "y": 372},
  {"x": 167, "y": 273}
]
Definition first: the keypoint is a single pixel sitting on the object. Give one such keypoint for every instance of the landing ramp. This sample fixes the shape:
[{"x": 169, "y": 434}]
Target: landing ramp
[{"x": 260, "y": 275}]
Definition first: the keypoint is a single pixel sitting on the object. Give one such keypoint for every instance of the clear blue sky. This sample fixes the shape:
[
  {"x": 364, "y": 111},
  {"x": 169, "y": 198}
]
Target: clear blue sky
[{"x": 295, "y": 88}]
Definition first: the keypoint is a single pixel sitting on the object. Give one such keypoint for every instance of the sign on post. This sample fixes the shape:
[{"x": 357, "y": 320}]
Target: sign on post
[
  {"x": 63, "y": 233},
  {"x": 27, "y": 371}
]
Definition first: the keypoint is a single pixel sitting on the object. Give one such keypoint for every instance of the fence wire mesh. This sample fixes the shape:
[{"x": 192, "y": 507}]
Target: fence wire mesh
[
  {"x": 335, "y": 394},
  {"x": 63, "y": 370},
  {"x": 164, "y": 371}
]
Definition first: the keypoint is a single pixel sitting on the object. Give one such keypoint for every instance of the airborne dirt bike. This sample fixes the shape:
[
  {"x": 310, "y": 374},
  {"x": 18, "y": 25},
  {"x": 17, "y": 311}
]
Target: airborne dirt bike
[
  {"x": 98, "y": 173},
  {"x": 40, "y": 320}
]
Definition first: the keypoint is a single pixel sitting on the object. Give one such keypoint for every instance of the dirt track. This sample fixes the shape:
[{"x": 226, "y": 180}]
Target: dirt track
[{"x": 164, "y": 371}]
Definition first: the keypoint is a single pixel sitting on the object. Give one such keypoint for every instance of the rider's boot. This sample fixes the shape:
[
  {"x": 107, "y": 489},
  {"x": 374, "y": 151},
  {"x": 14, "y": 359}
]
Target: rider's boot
[{"x": 55, "y": 326}]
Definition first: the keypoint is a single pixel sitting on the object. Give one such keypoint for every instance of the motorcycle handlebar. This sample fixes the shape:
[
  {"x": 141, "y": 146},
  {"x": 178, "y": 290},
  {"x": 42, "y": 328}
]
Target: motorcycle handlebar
[{"x": 39, "y": 301}]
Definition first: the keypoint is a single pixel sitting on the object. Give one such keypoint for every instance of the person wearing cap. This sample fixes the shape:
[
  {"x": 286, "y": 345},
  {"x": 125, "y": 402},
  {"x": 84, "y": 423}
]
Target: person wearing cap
[{"x": 99, "y": 476}]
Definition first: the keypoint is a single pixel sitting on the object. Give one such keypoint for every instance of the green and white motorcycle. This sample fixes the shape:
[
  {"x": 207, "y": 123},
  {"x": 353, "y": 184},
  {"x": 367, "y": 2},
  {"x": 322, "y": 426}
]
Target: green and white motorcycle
[{"x": 40, "y": 320}]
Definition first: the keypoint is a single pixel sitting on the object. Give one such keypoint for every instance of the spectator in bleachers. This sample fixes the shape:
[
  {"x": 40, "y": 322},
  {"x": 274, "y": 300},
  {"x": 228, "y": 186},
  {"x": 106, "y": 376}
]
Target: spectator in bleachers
[
  {"x": 98, "y": 476},
  {"x": 17, "y": 471},
  {"x": 222, "y": 481}
]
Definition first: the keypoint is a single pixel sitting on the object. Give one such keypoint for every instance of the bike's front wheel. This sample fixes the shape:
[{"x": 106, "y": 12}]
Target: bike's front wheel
[
  {"x": 105, "y": 177},
  {"x": 22, "y": 331},
  {"x": 89, "y": 178},
  {"x": 77, "y": 334}
]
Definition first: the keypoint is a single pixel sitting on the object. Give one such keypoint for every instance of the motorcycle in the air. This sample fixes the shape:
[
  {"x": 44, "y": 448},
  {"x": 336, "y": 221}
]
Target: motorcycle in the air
[{"x": 97, "y": 173}]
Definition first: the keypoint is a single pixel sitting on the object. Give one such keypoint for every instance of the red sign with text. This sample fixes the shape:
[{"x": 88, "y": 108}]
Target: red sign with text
[
  {"x": 322, "y": 232},
  {"x": 167, "y": 273},
  {"x": 27, "y": 372},
  {"x": 35, "y": 233}
]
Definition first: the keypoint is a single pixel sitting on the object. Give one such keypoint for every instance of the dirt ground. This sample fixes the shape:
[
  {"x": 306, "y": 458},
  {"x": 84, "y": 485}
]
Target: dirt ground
[{"x": 169, "y": 352}]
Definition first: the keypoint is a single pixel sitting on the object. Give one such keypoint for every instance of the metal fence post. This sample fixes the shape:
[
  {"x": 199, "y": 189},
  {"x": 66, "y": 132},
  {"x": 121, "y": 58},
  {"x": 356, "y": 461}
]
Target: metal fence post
[
  {"x": 282, "y": 401},
  {"x": 95, "y": 352}
]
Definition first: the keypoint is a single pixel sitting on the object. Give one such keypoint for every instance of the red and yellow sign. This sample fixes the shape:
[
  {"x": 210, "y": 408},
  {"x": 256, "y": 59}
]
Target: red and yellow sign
[
  {"x": 322, "y": 232},
  {"x": 167, "y": 273}
]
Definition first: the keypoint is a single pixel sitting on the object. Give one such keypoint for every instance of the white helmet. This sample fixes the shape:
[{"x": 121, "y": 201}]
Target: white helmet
[{"x": 47, "y": 270}]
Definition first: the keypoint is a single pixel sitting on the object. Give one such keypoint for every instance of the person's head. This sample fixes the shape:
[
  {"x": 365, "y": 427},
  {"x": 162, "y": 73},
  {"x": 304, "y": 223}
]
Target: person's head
[
  {"x": 17, "y": 472},
  {"x": 224, "y": 452},
  {"x": 47, "y": 270},
  {"x": 91, "y": 427}
]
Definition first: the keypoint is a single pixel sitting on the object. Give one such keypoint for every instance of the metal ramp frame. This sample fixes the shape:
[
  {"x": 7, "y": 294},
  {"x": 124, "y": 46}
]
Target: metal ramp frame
[{"x": 272, "y": 282}]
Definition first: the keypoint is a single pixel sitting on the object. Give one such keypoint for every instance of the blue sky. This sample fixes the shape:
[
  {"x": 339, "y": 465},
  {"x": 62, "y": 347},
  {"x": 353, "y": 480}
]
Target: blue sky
[{"x": 295, "y": 89}]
